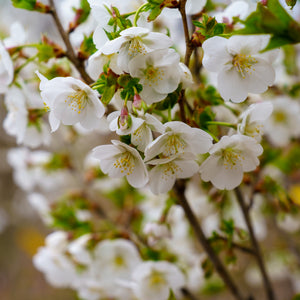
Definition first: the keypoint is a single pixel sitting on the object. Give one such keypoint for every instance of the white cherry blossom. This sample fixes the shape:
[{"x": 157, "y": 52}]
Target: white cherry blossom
[
  {"x": 23, "y": 120},
  {"x": 143, "y": 135},
  {"x": 253, "y": 119},
  {"x": 70, "y": 101},
  {"x": 117, "y": 258},
  {"x": 284, "y": 122},
  {"x": 154, "y": 280},
  {"x": 120, "y": 160},
  {"x": 6, "y": 69},
  {"x": 240, "y": 67},
  {"x": 97, "y": 61},
  {"x": 134, "y": 41},
  {"x": 179, "y": 138},
  {"x": 163, "y": 176},
  {"x": 159, "y": 73},
  {"x": 240, "y": 9},
  {"x": 123, "y": 123},
  {"x": 229, "y": 159},
  {"x": 53, "y": 261}
]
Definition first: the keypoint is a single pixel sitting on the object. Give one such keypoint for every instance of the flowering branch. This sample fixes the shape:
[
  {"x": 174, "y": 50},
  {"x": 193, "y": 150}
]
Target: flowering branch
[
  {"x": 256, "y": 248},
  {"x": 70, "y": 54},
  {"x": 179, "y": 189}
]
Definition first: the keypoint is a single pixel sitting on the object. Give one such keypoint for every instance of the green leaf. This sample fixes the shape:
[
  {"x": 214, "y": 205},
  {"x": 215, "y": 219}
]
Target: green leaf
[
  {"x": 24, "y": 4},
  {"x": 85, "y": 7},
  {"x": 290, "y": 59},
  {"x": 272, "y": 19},
  {"x": 45, "y": 52},
  {"x": 87, "y": 47},
  {"x": 170, "y": 100},
  {"x": 108, "y": 93},
  {"x": 209, "y": 27}
]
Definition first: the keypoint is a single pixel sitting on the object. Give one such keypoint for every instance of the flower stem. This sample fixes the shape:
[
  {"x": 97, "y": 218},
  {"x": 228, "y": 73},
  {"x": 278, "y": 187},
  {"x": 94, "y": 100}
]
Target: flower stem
[
  {"x": 136, "y": 17},
  {"x": 180, "y": 189},
  {"x": 221, "y": 123},
  {"x": 70, "y": 54},
  {"x": 255, "y": 245}
]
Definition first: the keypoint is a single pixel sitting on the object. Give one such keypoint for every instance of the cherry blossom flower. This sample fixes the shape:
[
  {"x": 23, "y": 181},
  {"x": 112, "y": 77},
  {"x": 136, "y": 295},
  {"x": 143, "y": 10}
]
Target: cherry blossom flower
[
  {"x": 117, "y": 258},
  {"x": 24, "y": 118},
  {"x": 163, "y": 176},
  {"x": 241, "y": 68},
  {"x": 229, "y": 159},
  {"x": 240, "y": 9},
  {"x": 70, "y": 101},
  {"x": 120, "y": 160},
  {"x": 179, "y": 138},
  {"x": 154, "y": 280},
  {"x": 253, "y": 119},
  {"x": 134, "y": 41},
  {"x": 123, "y": 122},
  {"x": 53, "y": 261},
  {"x": 97, "y": 61},
  {"x": 143, "y": 135},
  {"x": 284, "y": 122},
  {"x": 159, "y": 73},
  {"x": 6, "y": 69}
]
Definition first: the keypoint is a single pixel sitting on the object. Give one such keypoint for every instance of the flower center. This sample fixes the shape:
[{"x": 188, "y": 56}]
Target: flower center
[
  {"x": 254, "y": 129},
  {"x": 136, "y": 47},
  {"x": 119, "y": 261},
  {"x": 153, "y": 75},
  {"x": 174, "y": 144},
  {"x": 157, "y": 278},
  {"x": 170, "y": 169},
  {"x": 231, "y": 157},
  {"x": 279, "y": 116},
  {"x": 125, "y": 163},
  {"x": 77, "y": 101},
  {"x": 244, "y": 64}
]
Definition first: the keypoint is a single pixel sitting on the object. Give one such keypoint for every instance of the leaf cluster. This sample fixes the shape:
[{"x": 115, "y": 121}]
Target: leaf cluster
[{"x": 272, "y": 19}]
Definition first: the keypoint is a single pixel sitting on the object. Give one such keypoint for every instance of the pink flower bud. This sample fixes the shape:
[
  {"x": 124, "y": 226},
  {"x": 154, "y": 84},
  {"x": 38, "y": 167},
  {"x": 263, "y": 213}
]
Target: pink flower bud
[
  {"x": 124, "y": 120},
  {"x": 137, "y": 101}
]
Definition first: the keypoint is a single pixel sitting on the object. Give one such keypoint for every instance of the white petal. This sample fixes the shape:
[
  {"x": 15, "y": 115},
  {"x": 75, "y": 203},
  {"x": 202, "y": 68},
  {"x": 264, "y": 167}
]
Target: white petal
[
  {"x": 232, "y": 86},
  {"x": 215, "y": 54},
  {"x": 161, "y": 179}
]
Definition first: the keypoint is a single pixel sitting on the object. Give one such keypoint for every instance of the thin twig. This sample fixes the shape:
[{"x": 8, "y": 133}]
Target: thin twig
[
  {"x": 179, "y": 189},
  {"x": 188, "y": 294},
  {"x": 70, "y": 54},
  {"x": 237, "y": 246},
  {"x": 256, "y": 248}
]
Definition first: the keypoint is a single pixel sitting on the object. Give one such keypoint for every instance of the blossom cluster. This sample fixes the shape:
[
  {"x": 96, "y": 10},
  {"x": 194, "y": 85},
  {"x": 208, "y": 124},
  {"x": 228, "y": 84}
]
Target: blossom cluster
[{"x": 172, "y": 119}]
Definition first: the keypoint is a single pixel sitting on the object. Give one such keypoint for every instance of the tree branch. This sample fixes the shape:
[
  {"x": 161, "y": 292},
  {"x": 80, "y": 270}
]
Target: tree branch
[
  {"x": 179, "y": 188},
  {"x": 188, "y": 43},
  {"x": 256, "y": 248},
  {"x": 70, "y": 54},
  {"x": 237, "y": 246}
]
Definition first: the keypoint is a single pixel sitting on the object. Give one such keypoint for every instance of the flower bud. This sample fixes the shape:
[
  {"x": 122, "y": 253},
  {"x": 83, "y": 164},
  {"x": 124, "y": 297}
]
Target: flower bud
[
  {"x": 124, "y": 121},
  {"x": 137, "y": 101}
]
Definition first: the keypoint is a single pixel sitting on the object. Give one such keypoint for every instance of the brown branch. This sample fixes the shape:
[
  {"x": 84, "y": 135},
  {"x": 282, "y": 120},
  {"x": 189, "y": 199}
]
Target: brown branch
[
  {"x": 256, "y": 248},
  {"x": 188, "y": 43},
  {"x": 179, "y": 188},
  {"x": 237, "y": 246},
  {"x": 70, "y": 54},
  {"x": 188, "y": 294}
]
